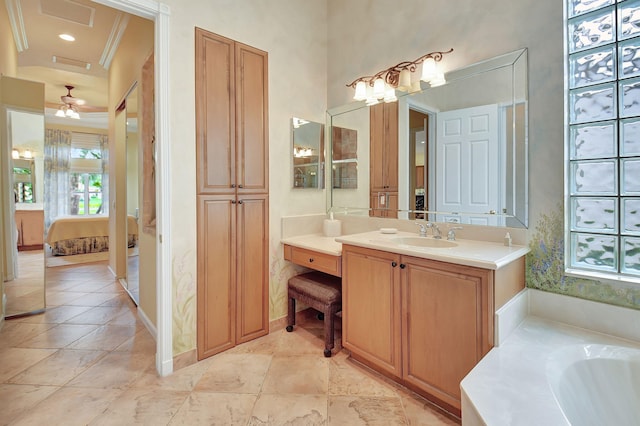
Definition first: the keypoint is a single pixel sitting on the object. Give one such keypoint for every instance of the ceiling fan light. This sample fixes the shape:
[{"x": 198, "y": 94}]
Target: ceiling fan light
[
  {"x": 69, "y": 112},
  {"x": 60, "y": 113}
]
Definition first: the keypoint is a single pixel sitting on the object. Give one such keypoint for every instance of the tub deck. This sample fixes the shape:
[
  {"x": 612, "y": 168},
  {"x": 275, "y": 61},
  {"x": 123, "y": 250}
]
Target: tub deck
[{"x": 509, "y": 386}]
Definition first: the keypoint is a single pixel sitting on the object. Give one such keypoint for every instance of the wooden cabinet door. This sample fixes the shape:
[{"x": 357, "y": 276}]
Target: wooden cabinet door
[
  {"x": 383, "y": 147},
  {"x": 371, "y": 307},
  {"x": 252, "y": 120},
  {"x": 252, "y": 269},
  {"x": 447, "y": 324},
  {"x": 216, "y": 290},
  {"x": 215, "y": 113}
]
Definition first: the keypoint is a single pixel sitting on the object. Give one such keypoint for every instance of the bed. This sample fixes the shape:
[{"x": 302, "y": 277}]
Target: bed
[{"x": 70, "y": 235}]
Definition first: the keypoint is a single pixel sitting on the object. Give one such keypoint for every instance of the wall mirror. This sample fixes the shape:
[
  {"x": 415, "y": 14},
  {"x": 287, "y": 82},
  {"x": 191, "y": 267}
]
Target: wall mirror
[
  {"x": 308, "y": 153},
  {"x": 462, "y": 148},
  {"x": 132, "y": 280}
]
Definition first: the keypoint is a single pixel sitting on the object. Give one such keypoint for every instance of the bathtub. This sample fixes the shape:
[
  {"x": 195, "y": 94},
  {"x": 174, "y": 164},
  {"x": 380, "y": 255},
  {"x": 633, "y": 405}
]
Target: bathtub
[
  {"x": 596, "y": 384},
  {"x": 549, "y": 373}
]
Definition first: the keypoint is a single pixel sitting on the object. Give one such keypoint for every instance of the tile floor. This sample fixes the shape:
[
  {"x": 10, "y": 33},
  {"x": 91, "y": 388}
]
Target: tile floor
[{"x": 89, "y": 360}]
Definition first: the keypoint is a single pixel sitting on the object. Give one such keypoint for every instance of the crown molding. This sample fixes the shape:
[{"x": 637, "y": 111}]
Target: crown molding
[
  {"x": 14, "y": 10},
  {"x": 119, "y": 26}
]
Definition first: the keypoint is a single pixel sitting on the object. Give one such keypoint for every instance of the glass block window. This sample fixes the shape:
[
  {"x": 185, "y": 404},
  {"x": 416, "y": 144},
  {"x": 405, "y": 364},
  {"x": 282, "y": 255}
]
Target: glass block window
[{"x": 603, "y": 138}]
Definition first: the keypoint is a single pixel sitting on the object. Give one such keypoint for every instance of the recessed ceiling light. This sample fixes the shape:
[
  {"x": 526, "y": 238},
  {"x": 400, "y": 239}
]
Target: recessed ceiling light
[{"x": 67, "y": 37}]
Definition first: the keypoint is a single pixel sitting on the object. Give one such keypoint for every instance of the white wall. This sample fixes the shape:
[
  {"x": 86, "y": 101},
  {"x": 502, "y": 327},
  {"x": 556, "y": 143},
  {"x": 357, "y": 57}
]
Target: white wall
[{"x": 294, "y": 35}]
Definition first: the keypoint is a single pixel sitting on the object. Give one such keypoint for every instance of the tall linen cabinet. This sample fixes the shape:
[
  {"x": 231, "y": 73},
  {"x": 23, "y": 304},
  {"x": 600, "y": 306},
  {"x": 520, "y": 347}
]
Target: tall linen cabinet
[{"x": 232, "y": 193}]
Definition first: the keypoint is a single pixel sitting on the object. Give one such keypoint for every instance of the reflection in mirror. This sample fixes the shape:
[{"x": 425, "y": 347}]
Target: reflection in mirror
[
  {"x": 462, "y": 147},
  {"x": 344, "y": 160},
  {"x": 133, "y": 195},
  {"x": 308, "y": 153},
  {"x": 25, "y": 292}
]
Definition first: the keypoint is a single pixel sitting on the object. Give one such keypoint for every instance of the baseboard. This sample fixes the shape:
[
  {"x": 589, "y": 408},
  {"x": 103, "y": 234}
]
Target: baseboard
[
  {"x": 148, "y": 324},
  {"x": 185, "y": 359}
]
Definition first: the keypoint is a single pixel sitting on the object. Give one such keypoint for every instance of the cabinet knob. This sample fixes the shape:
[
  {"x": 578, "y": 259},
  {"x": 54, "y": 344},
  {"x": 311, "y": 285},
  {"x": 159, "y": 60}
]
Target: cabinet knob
[
  {"x": 233, "y": 185},
  {"x": 402, "y": 266},
  {"x": 394, "y": 264},
  {"x": 240, "y": 202},
  {"x": 311, "y": 260},
  {"x": 239, "y": 186}
]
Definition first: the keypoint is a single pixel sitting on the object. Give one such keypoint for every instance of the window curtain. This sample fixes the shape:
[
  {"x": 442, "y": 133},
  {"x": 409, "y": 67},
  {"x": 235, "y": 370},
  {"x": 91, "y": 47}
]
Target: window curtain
[
  {"x": 104, "y": 147},
  {"x": 57, "y": 188}
]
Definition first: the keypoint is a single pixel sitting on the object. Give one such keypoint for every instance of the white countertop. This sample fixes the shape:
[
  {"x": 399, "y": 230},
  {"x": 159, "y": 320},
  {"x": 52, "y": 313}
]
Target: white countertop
[
  {"x": 316, "y": 242},
  {"x": 480, "y": 254}
]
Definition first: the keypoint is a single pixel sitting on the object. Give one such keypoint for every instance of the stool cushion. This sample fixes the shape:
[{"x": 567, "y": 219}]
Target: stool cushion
[{"x": 318, "y": 286}]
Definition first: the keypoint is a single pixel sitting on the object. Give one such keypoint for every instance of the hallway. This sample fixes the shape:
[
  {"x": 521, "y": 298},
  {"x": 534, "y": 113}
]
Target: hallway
[{"x": 89, "y": 360}]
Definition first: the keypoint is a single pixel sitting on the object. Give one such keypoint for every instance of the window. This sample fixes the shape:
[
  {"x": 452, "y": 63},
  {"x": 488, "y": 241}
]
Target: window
[
  {"x": 603, "y": 138},
  {"x": 86, "y": 175}
]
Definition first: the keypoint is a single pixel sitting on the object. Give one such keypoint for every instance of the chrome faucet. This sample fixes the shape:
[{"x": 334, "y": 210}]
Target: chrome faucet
[
  {"x": 435, "y": 231},
  {"x": 451, "y": 235}
]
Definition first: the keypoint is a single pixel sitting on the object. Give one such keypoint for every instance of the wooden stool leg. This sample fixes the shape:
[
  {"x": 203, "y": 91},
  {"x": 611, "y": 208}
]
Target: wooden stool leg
[
  {"x": 291, "y": 314},
  {"x": 328, "y": 332}
]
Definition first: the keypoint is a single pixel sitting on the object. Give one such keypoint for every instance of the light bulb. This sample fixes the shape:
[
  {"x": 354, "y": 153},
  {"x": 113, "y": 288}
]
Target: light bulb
[
  {"x": 438, "y": 80},
  {"x": 60, "y": 113},
  {"x": 404, "y": 83},
  {"x": 361, "y": 91},
  {"x": 27, "y": 154},
  {"x": 390, "y": 95},
  {"x": 429, "y": 69},
  {"x": 378, "y": 88}
]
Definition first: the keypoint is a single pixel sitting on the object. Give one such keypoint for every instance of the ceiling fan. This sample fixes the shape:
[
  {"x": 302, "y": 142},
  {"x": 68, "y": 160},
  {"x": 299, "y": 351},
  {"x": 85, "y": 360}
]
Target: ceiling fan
[{"x": 72, "y": 106}]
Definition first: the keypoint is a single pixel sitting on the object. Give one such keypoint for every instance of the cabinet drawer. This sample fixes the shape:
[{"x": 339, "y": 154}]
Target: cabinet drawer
[{"x": 315, "y": 260}]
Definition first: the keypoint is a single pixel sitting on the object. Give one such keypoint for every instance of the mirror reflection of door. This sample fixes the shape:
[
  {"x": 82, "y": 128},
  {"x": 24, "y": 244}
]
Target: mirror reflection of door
[
  {"x": 25, "y": 290},
  {"x": 133, "y": 194}
]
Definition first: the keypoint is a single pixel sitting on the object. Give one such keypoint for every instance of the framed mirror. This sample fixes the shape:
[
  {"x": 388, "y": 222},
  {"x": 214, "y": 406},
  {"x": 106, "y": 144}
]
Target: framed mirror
[
  {"x": 307, "y": 153},
  {"x": 461, "y": 151}
]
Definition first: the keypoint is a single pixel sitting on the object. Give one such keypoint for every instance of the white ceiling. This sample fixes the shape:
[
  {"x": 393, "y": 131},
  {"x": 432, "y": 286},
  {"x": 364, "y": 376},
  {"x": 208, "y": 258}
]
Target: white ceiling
[{"x": 97, "y": 29}]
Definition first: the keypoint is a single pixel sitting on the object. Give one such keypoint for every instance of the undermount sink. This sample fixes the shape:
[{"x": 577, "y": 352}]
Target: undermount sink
[{"x": 424, "y": 242}]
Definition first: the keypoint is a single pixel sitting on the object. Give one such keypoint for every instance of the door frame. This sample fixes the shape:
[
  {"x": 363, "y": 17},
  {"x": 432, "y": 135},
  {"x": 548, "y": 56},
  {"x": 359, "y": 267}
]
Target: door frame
[{"x": 159, "y": 13}]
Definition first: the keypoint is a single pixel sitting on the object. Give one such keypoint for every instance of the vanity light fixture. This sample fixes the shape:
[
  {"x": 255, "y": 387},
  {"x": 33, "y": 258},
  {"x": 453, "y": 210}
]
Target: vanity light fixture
[
  {"x": 15, "y": 154},
  {"x": 383, "y": 84},
  {"x": 27, "y": 154},
  {"x": 302, "y": 151}
]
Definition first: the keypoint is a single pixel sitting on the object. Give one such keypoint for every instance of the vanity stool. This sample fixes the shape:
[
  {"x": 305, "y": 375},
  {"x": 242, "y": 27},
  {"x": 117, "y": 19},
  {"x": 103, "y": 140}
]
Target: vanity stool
[{"x": 321, "y": 292}]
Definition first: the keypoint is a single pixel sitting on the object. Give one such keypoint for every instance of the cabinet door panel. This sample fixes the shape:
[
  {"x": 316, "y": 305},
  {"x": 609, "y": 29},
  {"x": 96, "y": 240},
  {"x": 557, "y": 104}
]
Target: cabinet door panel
[
  {"x": 376, "y": 148},
  {"x": 442, "y": 326},
  {"x": 215, "y": 113},
  {"x": 216, "y": 275},
  {"x": 390, "y": 164},
  {"x": 253, "y": 271},
  {"x": 371, "y": 306},
  {"x": 252, "y": 119}
]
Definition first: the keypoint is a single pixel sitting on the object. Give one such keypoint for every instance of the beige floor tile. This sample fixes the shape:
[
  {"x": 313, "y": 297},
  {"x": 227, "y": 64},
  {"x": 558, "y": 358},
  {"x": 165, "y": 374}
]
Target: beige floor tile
[
  {"x": 106, "y": 337},
  {"x": 97, "y": 315},
  {"x": 142, "y": 407},
  {"x": 59, "y": 368},
  {"x": 16, "y": 399},
  {"x": 91, "y": 299},
  {"x": 346, "y": 377},
  {"x": 184, "y": 379},
  {"x": 15, "y": 360},
  {"x": 125, "y": 316},
  {"x": 235, "y": 373},
  {"x": 267, "y": 345},
  {"x": 142, "y": 341},
  {"x": 116, "y": 370},
  {"x": 421, "y": 412},
  {"x": 14, "y": 333},
  {"x": 69, "y": 407},
  {"x": 302, "y": 341},
  {"x": 55, "y": 315},
  {"x": 57, "y": 298},
  {"x": 303, "y": 374},
  {"x": 59, "y": 336},
  {"x": 303, "y": 410},
  {"x": 202, "y": 408},
  {"x": 364, "y": 410}
]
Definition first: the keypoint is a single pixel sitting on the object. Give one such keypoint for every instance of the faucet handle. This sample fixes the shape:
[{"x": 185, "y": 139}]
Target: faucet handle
[
  {"x": 451, "y": 235},
  {"x": 423, "y": 228}
]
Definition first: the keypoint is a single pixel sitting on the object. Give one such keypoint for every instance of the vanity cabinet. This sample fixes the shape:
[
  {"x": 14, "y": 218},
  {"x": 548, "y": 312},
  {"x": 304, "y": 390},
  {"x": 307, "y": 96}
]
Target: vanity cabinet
[
  {"x": 424, "y": 322},
  {"x": 312, "y": 259},
  {"x": 232, "y": 193},
  {"x": 383, "y": 174},
  {"x": 30, "y": 225}
]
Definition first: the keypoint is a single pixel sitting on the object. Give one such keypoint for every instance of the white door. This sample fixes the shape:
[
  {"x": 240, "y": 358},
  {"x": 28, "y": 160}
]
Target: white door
[{"x": 467, "y": 166}]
